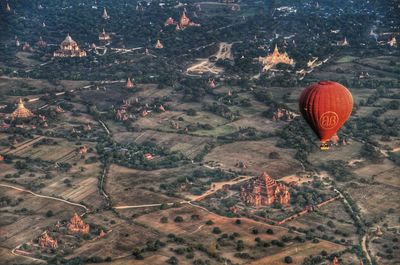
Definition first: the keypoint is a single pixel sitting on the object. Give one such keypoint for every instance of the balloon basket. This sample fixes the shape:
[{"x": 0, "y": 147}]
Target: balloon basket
[{"x": 324, "y": 146}]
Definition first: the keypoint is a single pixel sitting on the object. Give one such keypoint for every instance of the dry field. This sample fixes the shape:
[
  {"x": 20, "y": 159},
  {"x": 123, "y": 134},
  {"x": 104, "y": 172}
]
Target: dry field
[
  {"x": 334, "y": 212},
  {"x": 130, "y": 186},
  {"x": 121, "y": 239},
  {"x": 381, "y": 245},
  {"x": 82, "y": 177},
  {"x": 62, "y": 151},
  {"x": 346, "y": 152},
  {"x": 162, "y": 122},
  {"x": 196, "y": 231},
  {"x": 298, "y": 253},
  {"x": 7, "y": 84},
  {"x": 386, "y": 173},
  {"x": 375, "y": 201},
  {"x": 258, "y": 122},
  {"x": 189, "y": 145},
  {"x": 22, "y": 226},
  {"x": 255, "y": 155}
]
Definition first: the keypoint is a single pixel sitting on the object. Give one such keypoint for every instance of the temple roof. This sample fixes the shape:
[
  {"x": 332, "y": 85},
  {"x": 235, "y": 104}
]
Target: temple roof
[{"x": 68, "y": 40}]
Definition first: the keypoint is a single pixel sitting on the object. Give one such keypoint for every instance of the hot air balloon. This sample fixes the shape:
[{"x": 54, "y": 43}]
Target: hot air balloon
[{"x": 326, "y": 106}]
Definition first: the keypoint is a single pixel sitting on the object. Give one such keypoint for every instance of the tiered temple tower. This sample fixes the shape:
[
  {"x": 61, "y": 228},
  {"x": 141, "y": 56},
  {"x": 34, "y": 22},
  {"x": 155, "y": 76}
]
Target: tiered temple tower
[
  {"x": 105, "y": 14},
  {"x": 77, "y": 225},
  {"x": 69, "y": 48},
  {"x": 264, "y": 190},
  {"x": 45, "y": 241}
]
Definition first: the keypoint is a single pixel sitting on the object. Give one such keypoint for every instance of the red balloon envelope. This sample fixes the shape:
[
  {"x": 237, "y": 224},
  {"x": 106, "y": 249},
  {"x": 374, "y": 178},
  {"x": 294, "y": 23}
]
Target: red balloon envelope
[{"x": 326, "y": 106}]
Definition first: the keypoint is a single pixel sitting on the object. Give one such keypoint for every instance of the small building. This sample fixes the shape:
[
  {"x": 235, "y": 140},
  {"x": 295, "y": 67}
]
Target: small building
[
  {"x": 77, "y": 225},
  {"x": 159, "y": 45},
  {"x": 105, "y": 14},
  {"x": 104, "y": 36},
  {"x": 45, "y": 241},
  {"x": 69, "y": 48}
]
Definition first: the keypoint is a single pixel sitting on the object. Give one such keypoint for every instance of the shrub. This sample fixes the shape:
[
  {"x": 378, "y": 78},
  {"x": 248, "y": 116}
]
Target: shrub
[
  {"x": 216, "y": 230},
  {"x": 288, "y": 259},
  {"x": 178, "y": 219}
]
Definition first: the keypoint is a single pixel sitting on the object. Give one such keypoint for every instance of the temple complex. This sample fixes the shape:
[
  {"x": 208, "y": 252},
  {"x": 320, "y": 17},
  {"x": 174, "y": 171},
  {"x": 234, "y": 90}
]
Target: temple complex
[
  {"x": 105, "y": 15},
  {"x": 45, "y": 241},
  {"x": 41, "y": 43},
  {"x": 21, "y": 112},
  {"x": 159, "y": 45},
  {"x": 77, "y": 225},
  {"x": 264, "y": 190},
  {"x": 275, "y": 58},
  {"x": 104, "y": 36},
  {"x": 185, "y": 22},
  {"x": 335, "y": 261},
  {"x": 69, "y": 48}
]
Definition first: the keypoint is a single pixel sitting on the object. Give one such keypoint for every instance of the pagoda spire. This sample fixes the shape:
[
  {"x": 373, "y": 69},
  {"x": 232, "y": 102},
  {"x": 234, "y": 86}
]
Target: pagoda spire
[
  {"x": 276, "y": 49},
  {"x": 129, "y": 83},
  {"x": 159, "y": 45},
  {"x": 21, "y": 112},
  {"x": 105, "y": 14}
]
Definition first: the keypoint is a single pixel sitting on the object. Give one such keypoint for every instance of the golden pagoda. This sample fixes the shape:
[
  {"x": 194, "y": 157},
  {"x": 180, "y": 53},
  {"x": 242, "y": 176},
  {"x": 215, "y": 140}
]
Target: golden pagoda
[
  {"x": 159, "y": 45},
  {"x": 275, "y": 58},
  {"x": 69, "y": 48},
  {"x": 104, "y": 36},
  {"x": 21, "y": 112},
  {"x": 105, "y": 14}
]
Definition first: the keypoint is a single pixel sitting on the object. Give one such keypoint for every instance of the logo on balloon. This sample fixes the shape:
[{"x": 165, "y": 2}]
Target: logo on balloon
[{"x": 328, "y": 120}]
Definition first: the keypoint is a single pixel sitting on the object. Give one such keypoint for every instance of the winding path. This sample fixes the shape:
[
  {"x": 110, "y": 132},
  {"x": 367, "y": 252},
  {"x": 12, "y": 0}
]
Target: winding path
[
  {"x": 364, "y": 238},
  {"x": 45, "y": 197}
]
